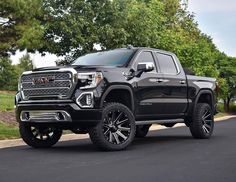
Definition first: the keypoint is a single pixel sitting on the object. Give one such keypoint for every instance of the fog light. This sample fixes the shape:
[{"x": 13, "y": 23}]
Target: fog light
[
  {"x": 60, "y": 116},
  {"x": 89, "y": 99},
  {"x": 25, "y": 116},
  {"x": 85, "y": 100}
]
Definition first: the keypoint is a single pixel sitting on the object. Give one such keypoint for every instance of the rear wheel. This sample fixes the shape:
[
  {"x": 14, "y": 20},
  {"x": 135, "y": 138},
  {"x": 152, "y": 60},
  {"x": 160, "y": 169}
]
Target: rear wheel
[
  {"x": 202, "y": 124},
  {"x": 39, "y": 136},
  {"x": 142, "y": 130},
  {"x": 116, "y": 130}
]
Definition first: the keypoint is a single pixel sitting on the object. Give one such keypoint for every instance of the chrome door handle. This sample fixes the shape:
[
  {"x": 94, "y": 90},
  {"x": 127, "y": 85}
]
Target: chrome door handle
[
  {"x": 182, "y": 82},
  {"x": 159, "y": 80},
  {"x": 162, "y": 80}
]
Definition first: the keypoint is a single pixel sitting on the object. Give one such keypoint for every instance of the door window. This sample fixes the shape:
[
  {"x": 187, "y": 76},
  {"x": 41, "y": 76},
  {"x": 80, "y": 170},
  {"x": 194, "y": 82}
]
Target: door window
[
  {"x": 145, "y": 57},
  {"x": 167, "y": 64}
]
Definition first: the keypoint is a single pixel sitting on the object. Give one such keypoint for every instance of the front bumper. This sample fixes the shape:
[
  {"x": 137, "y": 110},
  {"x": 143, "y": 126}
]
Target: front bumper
[{"x": 48, "y": 109}]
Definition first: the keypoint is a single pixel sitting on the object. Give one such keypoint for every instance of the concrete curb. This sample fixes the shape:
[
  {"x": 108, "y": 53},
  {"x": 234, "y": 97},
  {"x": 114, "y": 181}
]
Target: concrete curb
[{"x": 67, "y": 137}]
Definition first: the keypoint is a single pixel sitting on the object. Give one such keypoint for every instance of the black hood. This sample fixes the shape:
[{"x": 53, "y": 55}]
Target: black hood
[{"x": 76, "y": 67}]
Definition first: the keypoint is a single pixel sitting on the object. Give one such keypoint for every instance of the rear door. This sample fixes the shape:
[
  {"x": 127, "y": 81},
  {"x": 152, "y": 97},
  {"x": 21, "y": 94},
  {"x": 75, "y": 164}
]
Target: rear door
[{"x": 174, "y": 98}]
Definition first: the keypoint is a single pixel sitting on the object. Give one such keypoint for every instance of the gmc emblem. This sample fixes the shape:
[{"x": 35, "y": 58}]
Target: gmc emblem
[{"x": 42, "y": 80}]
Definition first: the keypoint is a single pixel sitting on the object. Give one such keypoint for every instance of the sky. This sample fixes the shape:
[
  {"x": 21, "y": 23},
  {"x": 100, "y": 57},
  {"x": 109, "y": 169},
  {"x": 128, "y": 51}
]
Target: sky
[
  {"x": 216, "y": 18},
  {"x": 38, "y": 59}
]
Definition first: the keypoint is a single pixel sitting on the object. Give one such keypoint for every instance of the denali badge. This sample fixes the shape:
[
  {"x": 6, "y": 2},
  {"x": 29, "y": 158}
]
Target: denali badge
[{"x": 43, "y": 80}]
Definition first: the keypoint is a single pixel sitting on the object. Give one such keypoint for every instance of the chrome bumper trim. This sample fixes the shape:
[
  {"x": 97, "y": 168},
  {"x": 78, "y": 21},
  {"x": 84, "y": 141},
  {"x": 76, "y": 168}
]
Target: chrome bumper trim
[{"x": 41, "y": 116}]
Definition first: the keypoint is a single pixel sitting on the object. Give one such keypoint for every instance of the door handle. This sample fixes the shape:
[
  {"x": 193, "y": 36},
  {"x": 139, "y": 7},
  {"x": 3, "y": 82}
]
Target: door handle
[
  {"x": 159, "y": 80},
  {"x": 182, "y": 82}
]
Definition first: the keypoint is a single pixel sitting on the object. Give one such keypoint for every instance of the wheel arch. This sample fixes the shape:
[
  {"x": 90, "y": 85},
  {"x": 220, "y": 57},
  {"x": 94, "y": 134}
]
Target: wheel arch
[
  {"x": 122, "y": 89},
  {"x": 205, "y": 96}
]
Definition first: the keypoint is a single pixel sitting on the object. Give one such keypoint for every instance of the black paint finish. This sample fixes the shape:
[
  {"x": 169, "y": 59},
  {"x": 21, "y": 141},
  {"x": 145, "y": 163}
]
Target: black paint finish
[{"x": 151, "y": 95}]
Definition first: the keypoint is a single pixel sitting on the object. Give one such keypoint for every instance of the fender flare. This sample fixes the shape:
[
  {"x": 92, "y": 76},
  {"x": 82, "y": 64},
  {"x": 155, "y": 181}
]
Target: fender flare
[
  {"x": 120, "y": 87},
  {"x": 205, "y": 91}
]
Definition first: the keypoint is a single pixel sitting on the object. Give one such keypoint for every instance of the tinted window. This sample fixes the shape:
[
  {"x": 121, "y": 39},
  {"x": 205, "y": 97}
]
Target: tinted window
[
  {"x": 145, "y": 57},
  {"x": 167, "y": 64},
  {"x": 106, "y": 58}
]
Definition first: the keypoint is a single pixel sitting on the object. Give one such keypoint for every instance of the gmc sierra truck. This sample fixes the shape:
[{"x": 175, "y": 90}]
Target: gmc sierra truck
[{"x": 114, "y": 96}]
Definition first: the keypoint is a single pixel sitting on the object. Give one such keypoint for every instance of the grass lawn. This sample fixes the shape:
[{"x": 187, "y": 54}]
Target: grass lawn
[
  {"x": 220, "y": 114},
  {"x": 7, "y": 101},
  {"x": 8, "y": 132}
]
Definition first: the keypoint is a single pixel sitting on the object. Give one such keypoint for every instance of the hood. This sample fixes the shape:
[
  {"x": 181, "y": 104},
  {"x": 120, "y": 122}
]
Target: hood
[{"x": 77, "y": 68}]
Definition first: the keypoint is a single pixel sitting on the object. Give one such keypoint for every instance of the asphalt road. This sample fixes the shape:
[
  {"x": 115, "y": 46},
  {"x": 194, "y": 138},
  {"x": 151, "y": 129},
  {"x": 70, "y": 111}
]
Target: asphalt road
[{"x": 165, "y": 155}]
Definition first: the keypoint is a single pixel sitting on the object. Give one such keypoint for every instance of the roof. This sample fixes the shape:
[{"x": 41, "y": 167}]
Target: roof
[{"x": 147, "y": 48}]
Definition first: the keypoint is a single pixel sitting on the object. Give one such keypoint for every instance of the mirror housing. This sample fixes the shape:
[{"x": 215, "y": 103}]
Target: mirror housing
[{"x": 145, "y": 67}]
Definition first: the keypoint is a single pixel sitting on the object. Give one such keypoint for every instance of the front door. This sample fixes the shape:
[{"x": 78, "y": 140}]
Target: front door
[{"x": 149, "y": 90}]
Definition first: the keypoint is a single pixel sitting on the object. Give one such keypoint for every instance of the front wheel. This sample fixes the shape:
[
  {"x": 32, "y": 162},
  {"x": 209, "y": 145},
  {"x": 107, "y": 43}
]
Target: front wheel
[
  {"x": 202, "y": 124},
  {"x": 39, "y": 136},
  {"x": 116, "y": 129}
]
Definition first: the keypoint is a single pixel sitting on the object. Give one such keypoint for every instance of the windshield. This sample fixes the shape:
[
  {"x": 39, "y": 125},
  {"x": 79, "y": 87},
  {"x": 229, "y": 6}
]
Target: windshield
[{"x": 117, "y": 57}]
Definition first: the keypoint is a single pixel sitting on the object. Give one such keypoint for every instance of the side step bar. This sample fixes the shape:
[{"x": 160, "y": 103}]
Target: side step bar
[{"x": 159, "y": 121}]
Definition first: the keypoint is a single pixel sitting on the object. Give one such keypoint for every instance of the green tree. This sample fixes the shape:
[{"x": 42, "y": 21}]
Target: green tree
[
  {"x": 74, "y": 26},
  {"x": 21, "y": 26},
  {"x": 226, "y": 66},
  {"x": 25, "y": 63},
  {"x": 8, "y": 75}
]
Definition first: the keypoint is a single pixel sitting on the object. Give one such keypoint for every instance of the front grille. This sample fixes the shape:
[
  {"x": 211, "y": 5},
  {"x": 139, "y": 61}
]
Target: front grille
[{"x": 47, "y": 85}]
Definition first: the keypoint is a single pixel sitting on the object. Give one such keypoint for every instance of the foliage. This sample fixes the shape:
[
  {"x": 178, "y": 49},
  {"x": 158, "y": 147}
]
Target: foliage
[
  {"x": 21, "y": 25},
  {"x": 8, "y": 132},
  {"x": 226, "y": 66},
  {"x": 74, "y": 25},
  {"x": 25, "y": 63},
  {"x": 9, "y": 74},
  {"x": 7, "y": 101}
]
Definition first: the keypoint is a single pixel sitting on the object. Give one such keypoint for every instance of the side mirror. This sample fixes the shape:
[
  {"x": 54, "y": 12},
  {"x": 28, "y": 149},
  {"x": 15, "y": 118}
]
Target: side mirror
[{"x": 145, "y": 67}]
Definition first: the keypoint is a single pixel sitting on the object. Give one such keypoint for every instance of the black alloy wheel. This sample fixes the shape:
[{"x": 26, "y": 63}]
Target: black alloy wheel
[
  {"x": 202, "y": 124},
  {"x": 116, "y": 130},
  {"x": 39, "y": 136},
  {"x": 116, "y": 127},
  {"x": 207, "y": 121}
]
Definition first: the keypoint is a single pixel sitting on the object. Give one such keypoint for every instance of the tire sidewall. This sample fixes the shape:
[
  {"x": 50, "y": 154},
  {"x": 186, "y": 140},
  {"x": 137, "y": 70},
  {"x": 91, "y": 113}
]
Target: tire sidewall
[
  {"x": 196, "y": 124},
  {"x": 106, "y": 145},
  {"x": 28, "y": 137}
]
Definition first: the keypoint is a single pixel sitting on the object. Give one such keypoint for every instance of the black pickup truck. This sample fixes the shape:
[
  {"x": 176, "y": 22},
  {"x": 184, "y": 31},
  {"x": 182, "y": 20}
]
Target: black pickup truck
[{"x": 114, "y": 96}]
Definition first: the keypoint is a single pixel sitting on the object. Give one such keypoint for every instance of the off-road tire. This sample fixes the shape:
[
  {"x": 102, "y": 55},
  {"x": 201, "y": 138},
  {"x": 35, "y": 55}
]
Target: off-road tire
[
  {"x": 202, "y": 124},
  {"x": 29, "y": 138},
  {"x": 103, "y": 136}
]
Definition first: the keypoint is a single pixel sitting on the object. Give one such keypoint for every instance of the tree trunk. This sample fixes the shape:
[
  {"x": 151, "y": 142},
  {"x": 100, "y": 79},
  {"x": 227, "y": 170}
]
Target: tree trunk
[
  {"x": 226, "y": 104},
  {"x": 226, "y": 108}
]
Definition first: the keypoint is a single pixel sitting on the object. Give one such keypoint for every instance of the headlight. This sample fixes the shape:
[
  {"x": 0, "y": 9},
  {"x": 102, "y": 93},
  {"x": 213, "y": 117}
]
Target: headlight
[{"x": 90, "y": 80}]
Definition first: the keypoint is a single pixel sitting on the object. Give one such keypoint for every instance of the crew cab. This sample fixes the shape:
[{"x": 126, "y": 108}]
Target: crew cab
[{"x": 115, "y": 96}]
